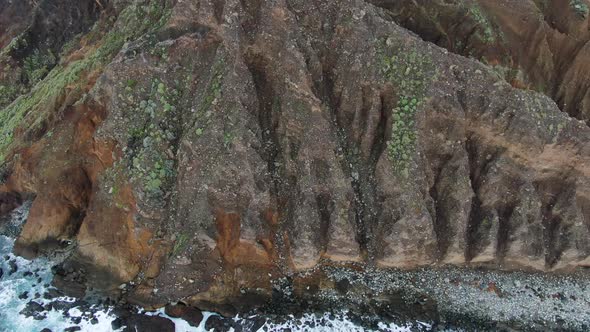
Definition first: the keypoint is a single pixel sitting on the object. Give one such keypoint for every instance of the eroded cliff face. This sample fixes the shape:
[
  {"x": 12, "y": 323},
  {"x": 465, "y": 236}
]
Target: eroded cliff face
[
  {"x": 203, "y": 150},
  {"x": 538, "y": 45}
]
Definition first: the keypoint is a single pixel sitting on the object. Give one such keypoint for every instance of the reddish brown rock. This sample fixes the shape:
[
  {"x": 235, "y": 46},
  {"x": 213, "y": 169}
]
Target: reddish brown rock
[{"x": 192, "y": 315}]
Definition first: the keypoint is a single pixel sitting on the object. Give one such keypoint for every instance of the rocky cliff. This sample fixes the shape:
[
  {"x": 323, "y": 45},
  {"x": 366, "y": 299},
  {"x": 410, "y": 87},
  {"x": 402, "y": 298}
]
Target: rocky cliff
[{"x": 206, "y": 151}]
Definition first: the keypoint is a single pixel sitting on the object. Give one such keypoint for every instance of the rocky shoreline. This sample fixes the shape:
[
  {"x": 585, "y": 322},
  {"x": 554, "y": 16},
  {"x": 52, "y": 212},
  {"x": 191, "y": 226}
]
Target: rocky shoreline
[
  {"x": 429, "y": 298},
  {"x": 437, "y": 299},
  {"x": 447, "y": 298}
]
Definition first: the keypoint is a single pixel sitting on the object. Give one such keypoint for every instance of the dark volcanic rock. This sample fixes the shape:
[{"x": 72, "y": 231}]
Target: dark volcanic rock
[
  {"x": 69, "y": 285},
  {"x": 72, "y": 329},
  {"x": 192, "y": 315},
  {"x": 175, "y": 310},
  {"x": 13, "y": 267},
  {"x": 143, "y": 323},
  {"x": 61, "y": 305},
  {"x": 218, "y": 323},
  {"x": 8, "y": 202},
  {"x": 252, "y": 324},
  {"x": 117, "y": 323},
  {"x": 52, "y": 293},
  {"x": 35, "y": 310}
]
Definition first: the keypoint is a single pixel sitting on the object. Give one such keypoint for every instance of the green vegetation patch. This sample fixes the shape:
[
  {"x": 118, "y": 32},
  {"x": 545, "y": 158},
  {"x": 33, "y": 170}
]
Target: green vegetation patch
[
  {"x": 151, "y": 141},
  {"x": 403, "y": 138},
  {"x": 180, "y": 244},
  {"x": 203, "y": 116},
  {"x": 133, "y": 21},
  {"x": 487, "y": 33},
  {"x": 16, "y": 43},
  {"x": 8, "y": 93},
  {"x": 410, "y": 73},
  {"x": 151, "y": 131},
  {"x": 580, "y": 7},
  {"x": 34, "y": 105},
  {"x": 37, "y": 65}
]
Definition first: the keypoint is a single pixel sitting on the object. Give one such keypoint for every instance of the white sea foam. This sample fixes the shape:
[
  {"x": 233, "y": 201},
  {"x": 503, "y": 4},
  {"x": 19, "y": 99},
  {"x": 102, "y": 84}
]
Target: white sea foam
[
  {"x": 306, "y": 323},
  {"x": 327, "y": 323},
  {"x": 13, "y": 285}
]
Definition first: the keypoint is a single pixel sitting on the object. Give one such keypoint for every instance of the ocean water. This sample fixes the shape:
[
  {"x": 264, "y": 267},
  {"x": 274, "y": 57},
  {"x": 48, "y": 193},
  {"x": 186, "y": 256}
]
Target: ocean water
[{"x": 32, "y": 279}]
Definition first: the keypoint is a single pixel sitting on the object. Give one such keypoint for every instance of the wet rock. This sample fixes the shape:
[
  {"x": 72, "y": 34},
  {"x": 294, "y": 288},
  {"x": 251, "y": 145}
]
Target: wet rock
[
  {"x": 343, "y": 286},
  {"x": 116, "y": 323},
  {"x": 72, "y": 329},
  {"x": 58, "y": 270},
  {"x": 123, "y": 312},
  {"x": 137, "y": 322},
  {"x": 256, "y": 323},
  {"x": 175, "y": 310},
  {"x": 52, "y": 293},
  {"x": 192, "y": 315},
  {"x": 13, "y": 267},
  {"x": 64, "y": 306},
  {"x": 35, "y": 310},
  {"x": 23, "y": 295},
  {"x": 9, "y": 202},
  {"x": 218, "y": 323},
  {"x": 69, "y": 285}
]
